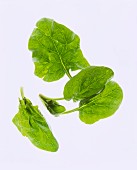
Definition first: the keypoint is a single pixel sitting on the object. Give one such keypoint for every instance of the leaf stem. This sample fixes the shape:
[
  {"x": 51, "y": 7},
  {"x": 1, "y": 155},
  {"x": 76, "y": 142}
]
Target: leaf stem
[
  {"x": 68, "y": 74},
  {"x": 22, "y": 92},
  {"x": 61, "y": 98},
  {"x": 70, "y": 111},
  {"x": 47, "y": 98}
]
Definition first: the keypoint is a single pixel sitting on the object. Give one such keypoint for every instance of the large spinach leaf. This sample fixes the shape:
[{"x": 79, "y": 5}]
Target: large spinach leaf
[
  {"x": 87, "y": 82},
  {"x": 55, "y": 50}
]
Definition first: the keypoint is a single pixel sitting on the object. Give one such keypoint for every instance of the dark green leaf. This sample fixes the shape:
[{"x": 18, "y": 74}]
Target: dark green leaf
[
  {"x": 31, "y": 123},
  {"x": 54, "y": 107},
  {"x": 102, "y": 105},
  {"x": 88, "y": 82},
  {"x": 55, "y": 50}
]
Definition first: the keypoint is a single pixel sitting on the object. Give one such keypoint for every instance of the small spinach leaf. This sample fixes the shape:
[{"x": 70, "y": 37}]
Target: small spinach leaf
[
  {"x": 102, "y": 105},
  {"x": 88, "y": 82},
  {"x": 54, "y": 107},
  {"x": 31, "y": 123},
  {"x": 55, "y": 50}
]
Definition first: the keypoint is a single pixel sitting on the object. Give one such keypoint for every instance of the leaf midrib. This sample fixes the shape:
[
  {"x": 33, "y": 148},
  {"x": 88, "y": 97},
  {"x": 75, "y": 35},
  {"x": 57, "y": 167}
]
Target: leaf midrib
[{"x": 96, "y": 98}]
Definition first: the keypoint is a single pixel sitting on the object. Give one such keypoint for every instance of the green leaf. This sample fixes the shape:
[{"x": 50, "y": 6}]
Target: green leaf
[
  {"x": 102, "y": 105},
  {"x": 88, "y": 82},
  {"x": 31, "y": 123},
  {"x": 55, "y": 50},
  {"x": 54, "y": 107}
]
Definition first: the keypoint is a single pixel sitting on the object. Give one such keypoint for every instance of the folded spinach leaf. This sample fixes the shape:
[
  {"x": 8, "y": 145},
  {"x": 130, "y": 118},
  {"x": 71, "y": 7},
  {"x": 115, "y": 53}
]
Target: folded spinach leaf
[
  {"x": 102, "y": 105},
  {"x": 52, "y": 105},
  {"x": 31, "y": 123},
  {"x": 88, "y": 82},
  {"x": 55, "y": 50}
]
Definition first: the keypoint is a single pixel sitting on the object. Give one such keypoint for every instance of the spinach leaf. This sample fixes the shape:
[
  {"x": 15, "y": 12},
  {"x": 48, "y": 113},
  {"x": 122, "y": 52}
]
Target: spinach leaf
[
  {"x": 102, "y": 105},
  {"x": 88, "y": 82},
  {"x": 55, "y": 50},
  {"x": 31, "y": 123},
  {"x": 52, "y": 105}
]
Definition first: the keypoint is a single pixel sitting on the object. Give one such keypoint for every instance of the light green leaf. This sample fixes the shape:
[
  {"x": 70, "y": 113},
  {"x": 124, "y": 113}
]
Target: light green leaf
[
  {"x": 55, "y": 50},
  {"x": 31, "y": 123},
  {"x": 52, "y": 105},
  {"x": 101, "y": 106},
  {"x": 88, "y": 82}
]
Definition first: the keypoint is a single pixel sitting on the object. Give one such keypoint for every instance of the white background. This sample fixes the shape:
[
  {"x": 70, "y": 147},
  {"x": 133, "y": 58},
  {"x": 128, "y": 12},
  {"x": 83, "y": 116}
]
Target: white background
[{"x": 108, "y": 32}]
